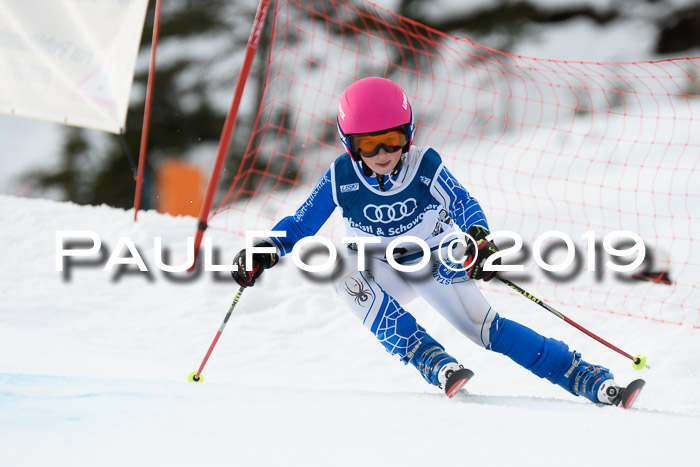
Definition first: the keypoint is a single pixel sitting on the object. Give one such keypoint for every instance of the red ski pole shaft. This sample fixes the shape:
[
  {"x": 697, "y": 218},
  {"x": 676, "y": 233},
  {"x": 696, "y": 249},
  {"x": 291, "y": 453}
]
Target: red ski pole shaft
[
  {"x": 526, "y": 294},
  {"x": 196, "y": 376}
]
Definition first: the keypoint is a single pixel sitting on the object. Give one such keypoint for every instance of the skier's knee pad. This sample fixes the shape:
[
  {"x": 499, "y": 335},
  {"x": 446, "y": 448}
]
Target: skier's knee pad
[{"x": 545, "y": 357}]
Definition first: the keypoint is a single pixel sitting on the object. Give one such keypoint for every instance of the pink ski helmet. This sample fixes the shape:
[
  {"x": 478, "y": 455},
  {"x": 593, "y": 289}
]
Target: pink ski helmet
[{"x": 373, "y": 105}]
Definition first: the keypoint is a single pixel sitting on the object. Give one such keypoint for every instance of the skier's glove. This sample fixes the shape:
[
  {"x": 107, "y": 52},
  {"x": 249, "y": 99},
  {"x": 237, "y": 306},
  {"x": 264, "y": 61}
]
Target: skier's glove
[
  {"x": 483, "y": 249},
  {"x": 245, "y": 274}
]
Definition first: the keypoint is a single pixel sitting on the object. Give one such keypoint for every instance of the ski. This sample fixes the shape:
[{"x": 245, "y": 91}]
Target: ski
[
  {"x": 457, "y": 380},
  {"x": 630, "y": 393}
]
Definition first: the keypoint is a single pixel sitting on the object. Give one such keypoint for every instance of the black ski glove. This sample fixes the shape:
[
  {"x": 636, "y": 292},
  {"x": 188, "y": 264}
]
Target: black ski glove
[
  {"x": 483, "y": 249},
  {"x": 244, "y": 274}
]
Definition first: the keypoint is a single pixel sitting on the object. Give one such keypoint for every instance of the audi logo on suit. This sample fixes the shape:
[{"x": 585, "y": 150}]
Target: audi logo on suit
[{"x": 386, "y": 213}]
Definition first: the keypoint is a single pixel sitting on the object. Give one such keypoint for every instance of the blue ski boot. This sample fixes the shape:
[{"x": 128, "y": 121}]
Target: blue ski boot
[
  {"x": 439, "y": 368},
  {"x": 594, "y": 382}
]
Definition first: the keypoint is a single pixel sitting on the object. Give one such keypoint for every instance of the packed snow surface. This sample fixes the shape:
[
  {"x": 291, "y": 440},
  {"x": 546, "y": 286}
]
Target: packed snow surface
[{"x": 95, "y": 364}]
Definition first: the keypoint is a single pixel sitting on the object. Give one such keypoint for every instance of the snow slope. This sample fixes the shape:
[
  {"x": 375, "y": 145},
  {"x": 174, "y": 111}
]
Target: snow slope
[{"x": 94, "y": 367}]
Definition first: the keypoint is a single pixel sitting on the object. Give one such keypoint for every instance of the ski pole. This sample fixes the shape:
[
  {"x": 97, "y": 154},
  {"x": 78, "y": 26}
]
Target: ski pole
[
  {"x": 638, "y": 360},
  {"x": 196, "y": 376}
]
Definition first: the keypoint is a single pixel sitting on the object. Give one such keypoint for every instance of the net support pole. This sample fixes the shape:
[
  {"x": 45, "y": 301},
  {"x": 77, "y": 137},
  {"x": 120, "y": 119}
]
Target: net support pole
[
  {"x": 230, "y": 124},
  {"x": 147, "y": 111}
]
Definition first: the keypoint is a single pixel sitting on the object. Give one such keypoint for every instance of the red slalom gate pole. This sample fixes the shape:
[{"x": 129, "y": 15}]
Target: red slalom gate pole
[
  {"x": 147, "y": 111},
  {"x": 229, "y": 125},
  {"x": 639, "y": 361},
  {"x": 196, "y": 376}
]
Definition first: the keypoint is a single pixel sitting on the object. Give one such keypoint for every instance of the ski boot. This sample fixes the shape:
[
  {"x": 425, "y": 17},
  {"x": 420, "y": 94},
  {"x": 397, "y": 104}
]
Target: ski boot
[
  {"x": 440, "y": 368},
  {"x": 596, "y": 383}
]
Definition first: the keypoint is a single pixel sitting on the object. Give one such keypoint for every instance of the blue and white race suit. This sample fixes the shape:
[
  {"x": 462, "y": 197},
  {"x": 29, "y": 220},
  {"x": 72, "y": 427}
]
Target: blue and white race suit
[{"x": 423, "y": 200}]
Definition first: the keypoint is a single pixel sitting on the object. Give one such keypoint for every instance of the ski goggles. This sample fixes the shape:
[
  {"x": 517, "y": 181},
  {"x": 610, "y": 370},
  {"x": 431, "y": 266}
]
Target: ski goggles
[{"x": 368, "y": 145}]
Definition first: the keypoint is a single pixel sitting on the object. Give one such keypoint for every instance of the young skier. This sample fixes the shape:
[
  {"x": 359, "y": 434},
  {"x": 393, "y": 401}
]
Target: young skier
[{"x": 387, "y": 188}]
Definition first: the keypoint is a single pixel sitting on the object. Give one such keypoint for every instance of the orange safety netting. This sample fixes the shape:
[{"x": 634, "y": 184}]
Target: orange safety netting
[{"x": 544, "y": 145}]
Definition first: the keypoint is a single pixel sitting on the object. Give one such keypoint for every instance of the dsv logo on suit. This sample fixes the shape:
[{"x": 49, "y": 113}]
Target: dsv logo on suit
[{"x": 386, "y": 213}]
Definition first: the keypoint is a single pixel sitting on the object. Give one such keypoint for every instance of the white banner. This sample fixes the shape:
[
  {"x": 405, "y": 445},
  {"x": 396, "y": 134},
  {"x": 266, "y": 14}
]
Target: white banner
[{"x": 69, "y": 61}]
